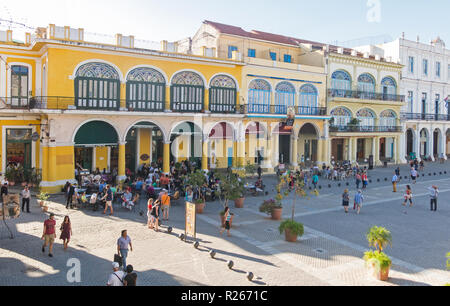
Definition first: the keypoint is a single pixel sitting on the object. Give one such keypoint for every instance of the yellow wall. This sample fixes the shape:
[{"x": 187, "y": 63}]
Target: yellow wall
[
  {"x": 144, "y": 147},
  {"x": 101, "y": 158}
]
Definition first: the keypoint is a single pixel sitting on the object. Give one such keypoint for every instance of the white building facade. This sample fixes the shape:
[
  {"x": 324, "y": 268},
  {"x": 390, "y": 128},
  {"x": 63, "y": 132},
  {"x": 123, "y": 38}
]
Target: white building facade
[{"x": 425, "y": 83}]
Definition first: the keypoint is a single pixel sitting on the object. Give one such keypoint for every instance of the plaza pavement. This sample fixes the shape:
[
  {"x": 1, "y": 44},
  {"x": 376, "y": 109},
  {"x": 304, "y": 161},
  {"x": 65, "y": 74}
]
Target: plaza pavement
[{"x": 330, "y": 252}]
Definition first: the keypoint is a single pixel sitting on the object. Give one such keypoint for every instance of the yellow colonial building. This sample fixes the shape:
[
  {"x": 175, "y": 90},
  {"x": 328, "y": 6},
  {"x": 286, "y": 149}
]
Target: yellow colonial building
[
  {"x": 222, "y": 98},
  {"x": 364, "y": 105}
]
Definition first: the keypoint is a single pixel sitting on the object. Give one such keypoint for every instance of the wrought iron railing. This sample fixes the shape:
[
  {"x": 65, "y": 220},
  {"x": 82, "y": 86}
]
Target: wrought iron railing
[
  {"x": 426, "y": 117},
  {"x": 283, "y": 109},
  {"x": 364, "y": 129},
  {"x": 352, "y": 94}
]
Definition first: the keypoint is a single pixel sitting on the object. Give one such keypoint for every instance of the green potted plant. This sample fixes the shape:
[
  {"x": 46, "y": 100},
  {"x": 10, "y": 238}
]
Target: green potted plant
[
  {"x": 291, "y": 229},
  {"x": 196, "y": 180},
  {"x": 10, "y": 175},
  {"x": 378, "y": 262},
  {"x": 42, "y": 198},
  {"x": 353, "y": 124},
  {"x": 273, "y": 208},
  {"x": 231, "y": 188}
]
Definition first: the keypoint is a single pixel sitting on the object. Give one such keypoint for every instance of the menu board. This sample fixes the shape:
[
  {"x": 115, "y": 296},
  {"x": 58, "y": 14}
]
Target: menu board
[{"x": 190, "y": 219}]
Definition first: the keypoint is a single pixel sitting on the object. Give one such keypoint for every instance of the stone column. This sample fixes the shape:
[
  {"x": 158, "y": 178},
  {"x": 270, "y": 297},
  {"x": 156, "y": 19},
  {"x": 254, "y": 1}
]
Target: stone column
[
  {"x": 269, "y": 152},
  {"x": 205, "y": 156},
  {"x": 349, "y": 144},
  {"x": 121, "y": 169},
  {"x": 397, "y": 149},
  {"x": 294, "y": 156},
  {"x": 431, "y": 144},
  {"x": 377, "y": 152},
  {"x": 354, "y": 149},
  {"x": 166, "y": 157}
]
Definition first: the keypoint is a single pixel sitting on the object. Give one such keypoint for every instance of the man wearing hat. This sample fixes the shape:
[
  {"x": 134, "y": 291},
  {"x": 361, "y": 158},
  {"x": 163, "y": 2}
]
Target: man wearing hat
[
  {"x": 116, "y": 278},
  {"x": 434, "y": 191}
]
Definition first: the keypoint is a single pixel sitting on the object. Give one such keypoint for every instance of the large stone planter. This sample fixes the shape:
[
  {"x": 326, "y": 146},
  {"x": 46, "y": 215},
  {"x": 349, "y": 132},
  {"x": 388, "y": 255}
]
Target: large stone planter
[
  {"x": 290, "y": 237},
  {"x": 277, "y": 213},
  {"x": 239, "y": 203},
  {"x": 199, "y": 208}
]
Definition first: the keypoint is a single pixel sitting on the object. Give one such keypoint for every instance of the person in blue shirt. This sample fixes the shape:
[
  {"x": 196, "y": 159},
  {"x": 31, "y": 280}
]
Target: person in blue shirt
[
  {"x": 102, "y": 186},
  {"x": 359, "y": 199},
  {"x": 138, "y": 185}
]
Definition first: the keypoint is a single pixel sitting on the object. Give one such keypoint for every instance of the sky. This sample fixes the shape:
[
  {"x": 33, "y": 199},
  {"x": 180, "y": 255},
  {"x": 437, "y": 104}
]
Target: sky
[{"x": 327, "y": 21}]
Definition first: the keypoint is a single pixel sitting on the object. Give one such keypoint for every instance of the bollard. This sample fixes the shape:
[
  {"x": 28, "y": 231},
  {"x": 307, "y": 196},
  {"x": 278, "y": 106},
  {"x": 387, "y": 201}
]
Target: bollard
[
  {"x": 378, "y": 180},
  {"x": 212, "y": 253},
  {"x": 250, "y": 276},
  {"x": 347, "y": 184},
  {"x": 320, "y": 187},
  {"x": 196, "y": 245},
  {"x": 230, "y": 264},
  {"x": 329, "y": 186},
  {"x": 339, "y": 185},
  {"x": 169, "y": 229},
  {"x": 182, "y": 236}
]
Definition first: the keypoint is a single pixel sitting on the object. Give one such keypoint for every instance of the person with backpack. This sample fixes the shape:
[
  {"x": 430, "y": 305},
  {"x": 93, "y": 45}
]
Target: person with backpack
[
  {"x": 345, "y": 200},
  {"x": 359, "y": 199},
  {"x": 434, "y": 192},
  {"x": 116, "y": 278},
  {"x": 365, "y": 180},
  {"x": 315, "y": 180}
]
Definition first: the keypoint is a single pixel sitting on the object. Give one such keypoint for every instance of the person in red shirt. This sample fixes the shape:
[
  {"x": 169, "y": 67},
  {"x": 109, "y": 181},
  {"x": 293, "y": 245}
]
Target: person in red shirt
[{"x": 49, "y": 234}]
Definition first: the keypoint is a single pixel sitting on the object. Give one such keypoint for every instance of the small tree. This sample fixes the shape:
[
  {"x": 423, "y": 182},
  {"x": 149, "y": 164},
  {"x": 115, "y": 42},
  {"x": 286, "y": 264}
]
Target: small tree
[
  {"x": 250, "y": 169},
  {"x": 196, "y": 179},
  {"x": 230, "y": 188},
  {"x": 379, "y": 238}
]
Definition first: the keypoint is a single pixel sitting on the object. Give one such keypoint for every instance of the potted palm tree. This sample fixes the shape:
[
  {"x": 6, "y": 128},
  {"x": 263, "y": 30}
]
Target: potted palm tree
[{"x": 377, "y": 262}]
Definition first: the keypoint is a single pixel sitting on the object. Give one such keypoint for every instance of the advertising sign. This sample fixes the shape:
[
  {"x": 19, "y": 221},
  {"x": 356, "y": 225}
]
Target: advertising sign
[{"x": 190, "y": 220}]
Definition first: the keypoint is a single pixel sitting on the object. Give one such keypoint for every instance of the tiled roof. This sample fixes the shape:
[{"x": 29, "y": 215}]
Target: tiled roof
[{"x": 233, "y": 30}]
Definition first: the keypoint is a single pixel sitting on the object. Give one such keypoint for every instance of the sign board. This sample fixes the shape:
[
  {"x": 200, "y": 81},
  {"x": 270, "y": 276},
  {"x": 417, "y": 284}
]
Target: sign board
[{"x": 190, "y": 220}]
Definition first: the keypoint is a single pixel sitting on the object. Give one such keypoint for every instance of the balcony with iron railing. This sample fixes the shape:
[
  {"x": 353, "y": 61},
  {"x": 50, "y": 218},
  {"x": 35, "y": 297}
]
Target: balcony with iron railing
[
  {"x": 98, "y": 104},
  {"x": 425, "y": 117},
  {"x": 362, "y": 95},
  {"x": 364, "y": 129}
]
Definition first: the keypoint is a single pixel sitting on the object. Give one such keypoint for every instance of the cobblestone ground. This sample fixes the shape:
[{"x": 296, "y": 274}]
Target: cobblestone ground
[{"x": 329, "y": 253}]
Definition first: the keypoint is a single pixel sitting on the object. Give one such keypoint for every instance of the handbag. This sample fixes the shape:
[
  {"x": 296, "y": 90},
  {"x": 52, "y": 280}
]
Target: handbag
[{"x": 118, "y": 259}]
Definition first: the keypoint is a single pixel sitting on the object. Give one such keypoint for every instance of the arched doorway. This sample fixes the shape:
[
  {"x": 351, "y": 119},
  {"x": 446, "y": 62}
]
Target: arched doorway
[
  {"x": 410, "y": 143},
  {"x": 186, "y": 139},
  {"x": 255, "y": 143},
  {"x": 221, "y": 146},
  {"x": 284, "y": 142},
  {"x": 96, "y": 147},
  {"x": 437, "y": 136},
  {"x": 308, "y": 141},
  {"x": 424, "y": 143},
  {"x": 144, "y": 145}
]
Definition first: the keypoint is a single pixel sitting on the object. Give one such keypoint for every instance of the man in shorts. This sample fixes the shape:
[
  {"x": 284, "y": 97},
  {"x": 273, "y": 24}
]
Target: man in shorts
[
  {"x": 165, "y": 201},
  {"x": 413, "y": 175},
  {"x": 109, "y": 198},
  {"x": 49, "y": 234}
]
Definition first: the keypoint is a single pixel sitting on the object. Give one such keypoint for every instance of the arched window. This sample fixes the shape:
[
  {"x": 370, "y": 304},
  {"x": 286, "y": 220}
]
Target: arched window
[
  {"x": 389, "y": 87},
  {"x": 308, "y": 104},
  {"x": 366, "y": 86},
  {"x": 19, "y": 86},
  {"x": 222, "y": 95},
  {"x": 259, "y": 95},
  {"x": 187, "y": 92},
  {"x": 284, "y": 97},
  {"x": 97, "y": 86},
  {"x": 341, "y": 83},
  {"x": 367, "y": 119},
  {"x": 341, "y": 117},
  {"x": 388, "y": 120},
  {"x": 146, "y": 90}
]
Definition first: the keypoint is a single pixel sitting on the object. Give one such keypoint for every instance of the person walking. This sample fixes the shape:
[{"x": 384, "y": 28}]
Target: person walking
[
  {"x": 116, "y": 278},
  {"x": 394, "y": 182},
  {"x": 315, "y": 180},
  {"x": 122, "y": 247},
  {"x": 49, "y": 234},
  {"x": 358, "y": 180},
  {"x": 70, "y": 193},
  {"x": 434, "y": 192},
  {"x": 109, "y": 198},
  {"x": 227, "y": 224},
  {"x": 131, "y": 278},
  {"x": 26, "y": 195},
  {"x": 345, "y": 200},
  {"x": 365, "y": 180},
  {"x": 413, "y": 175},
  {"x": 408, "y": 196},
  {"x": 155, "y": 215},
  {"x": 66, "y": 231},
  {"x": 165, "y": 201},
  {"x": 359, "y": 199},
  {"x": 149, "y": 212}
]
